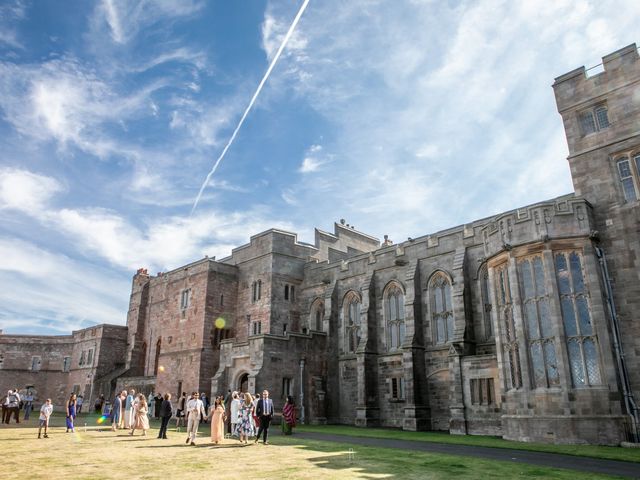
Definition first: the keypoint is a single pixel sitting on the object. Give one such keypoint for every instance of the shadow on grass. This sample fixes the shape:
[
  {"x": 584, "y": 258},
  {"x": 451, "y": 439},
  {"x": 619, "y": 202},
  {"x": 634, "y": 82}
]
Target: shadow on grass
[
  {"x": 210, "y": 446},
  {"x": 381, "y": 462}
]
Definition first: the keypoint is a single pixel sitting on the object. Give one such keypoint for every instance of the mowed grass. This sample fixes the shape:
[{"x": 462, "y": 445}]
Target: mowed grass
[
  {"x": 609, "y": 453},
  {"x": 96, "y": 452}
]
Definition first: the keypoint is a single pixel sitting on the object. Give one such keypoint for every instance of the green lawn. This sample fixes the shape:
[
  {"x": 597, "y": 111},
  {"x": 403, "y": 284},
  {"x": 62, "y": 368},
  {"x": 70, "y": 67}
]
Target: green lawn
[
  {"x": 611, "y": 453},
  {"x": 95, "y": 452}
]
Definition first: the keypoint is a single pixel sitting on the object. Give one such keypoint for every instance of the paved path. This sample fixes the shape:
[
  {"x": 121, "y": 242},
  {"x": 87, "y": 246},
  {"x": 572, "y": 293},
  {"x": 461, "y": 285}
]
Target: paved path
[{"x": 584, "y": 464}]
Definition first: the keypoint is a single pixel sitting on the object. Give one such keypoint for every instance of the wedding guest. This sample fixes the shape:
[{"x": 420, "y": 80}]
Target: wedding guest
[
  {"x": 234, "y": 411},
  {"x": 195, "y": 409},
  {"x": 28, "y": 404},
  {"x": 151, "y": 404},
  {"x": 205, "y": 402},
  {"x": 182, "y": 403},
  {"x": 256, "y": 419},
  {"x": 71, "y": 412},
  {"x": 79, "y": 403},
  {"x": 128, "y": 408},
  {"x": 217, "y": 417},
  {"x": 140, "y": 419},
  {"x": 158, "y": 400},
  {"x": 288, "y": 416},
  {"x": 265, "y": 412},
  {"x": 45, "y": 412},
  {"x": 164, "y": 411},
  {"x": 245, "y": 424},
  {"x": 117, "y": 412},
  {"x": 13, "y": 406}
]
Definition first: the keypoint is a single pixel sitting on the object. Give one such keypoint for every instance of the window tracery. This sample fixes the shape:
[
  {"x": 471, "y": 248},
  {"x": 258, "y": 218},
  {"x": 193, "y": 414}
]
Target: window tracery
[{"x": 394, "y": 316}]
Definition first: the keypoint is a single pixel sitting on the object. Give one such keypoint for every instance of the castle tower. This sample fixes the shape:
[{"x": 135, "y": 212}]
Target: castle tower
[
  {"x": 601, "y": 115},
  {"x": 137, "y": 323}
]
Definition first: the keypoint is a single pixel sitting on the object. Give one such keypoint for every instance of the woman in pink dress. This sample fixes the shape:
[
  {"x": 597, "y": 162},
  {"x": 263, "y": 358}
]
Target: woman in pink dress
[
  {"x": 217, "y": 417},
  {"x": 140, "y": 419}
]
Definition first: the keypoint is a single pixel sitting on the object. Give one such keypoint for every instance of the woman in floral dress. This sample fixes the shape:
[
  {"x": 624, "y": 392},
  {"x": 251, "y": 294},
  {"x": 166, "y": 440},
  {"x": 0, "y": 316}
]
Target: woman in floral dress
[{"x": 245, "y": 425}]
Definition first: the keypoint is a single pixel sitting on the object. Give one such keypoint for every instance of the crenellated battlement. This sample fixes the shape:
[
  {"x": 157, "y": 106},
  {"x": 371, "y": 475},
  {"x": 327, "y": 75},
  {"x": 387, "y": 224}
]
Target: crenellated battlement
[{"x": 578, "y": 87}]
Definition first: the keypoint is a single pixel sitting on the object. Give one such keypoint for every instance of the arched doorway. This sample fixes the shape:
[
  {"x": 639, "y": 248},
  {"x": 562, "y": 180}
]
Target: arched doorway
[
  {"x": 158, "y": 345},
  {"x": 243, "y": 383}
]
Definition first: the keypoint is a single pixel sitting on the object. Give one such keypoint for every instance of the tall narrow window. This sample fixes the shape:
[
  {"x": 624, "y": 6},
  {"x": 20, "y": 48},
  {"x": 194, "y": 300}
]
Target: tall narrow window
[
  {"x": 352, "y": 322},
  {"x": 626, "y": 178},
  {"x": 486, "y": 304},
  {"x": 256, "y": 290},
  {"x": 286, "y": 292},
  {"x": 509, "y": 336},
  {"x": 316, "y": 316},
  {"x": 442, "y": 311},
  {"x": 537, "y": 320},
  {"x": 394, "y": 315},
  {"x": 185, "y": 298},
  {"x": 256, "y": 327},
  {"x": 157, "y": 359},
  {"x": 293, "y": 293},
  {"x": 397, "y": 388},
  {"x": 66, "y": 364},
  {"x": 35, "y": 363},
  {"x": 582, "y": 343},
  {"x": 286, "y": 387},
  {"x": 90, "y": 357},
  {"x": 82, "y": 355}
]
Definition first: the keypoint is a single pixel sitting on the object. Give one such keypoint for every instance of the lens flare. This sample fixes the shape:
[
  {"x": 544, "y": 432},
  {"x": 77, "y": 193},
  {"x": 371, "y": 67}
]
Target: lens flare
[
  {"x": 220, "y": 323},
  {"x": 160, "y": 368},
  {"x": 102, "y": 419}
]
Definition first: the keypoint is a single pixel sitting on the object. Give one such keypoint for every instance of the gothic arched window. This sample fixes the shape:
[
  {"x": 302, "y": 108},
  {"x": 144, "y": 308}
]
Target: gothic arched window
[
  {"x": 317, "y": 316},
  {"x": 351, "y": 314},
  {"x": 582, "y": 342},
  {"x": 487, "y": 330},
  {"x": 442, "y": 311},
  {"x": 538, "y": 323},
  {"x": 394, "y": 316}
]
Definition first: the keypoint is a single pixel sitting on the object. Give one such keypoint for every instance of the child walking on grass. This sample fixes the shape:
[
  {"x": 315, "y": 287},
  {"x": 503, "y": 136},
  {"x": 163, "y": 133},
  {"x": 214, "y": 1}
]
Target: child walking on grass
[{"x": 45, "y": 413}]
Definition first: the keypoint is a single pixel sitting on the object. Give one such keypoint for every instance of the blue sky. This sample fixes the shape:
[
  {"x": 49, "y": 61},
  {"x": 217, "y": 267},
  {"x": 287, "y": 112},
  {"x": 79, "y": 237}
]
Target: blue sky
[{"x": 403, "y": 117}]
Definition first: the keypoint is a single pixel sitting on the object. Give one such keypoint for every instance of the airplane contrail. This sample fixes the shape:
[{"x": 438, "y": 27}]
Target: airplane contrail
[{"x": 253, "y": 99}]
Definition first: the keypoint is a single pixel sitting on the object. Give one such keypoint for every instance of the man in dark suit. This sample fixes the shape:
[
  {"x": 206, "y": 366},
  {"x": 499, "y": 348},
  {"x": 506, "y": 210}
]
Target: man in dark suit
[
  {"x": 165, "y": 411},
  {"x": 264, "y": 410}
]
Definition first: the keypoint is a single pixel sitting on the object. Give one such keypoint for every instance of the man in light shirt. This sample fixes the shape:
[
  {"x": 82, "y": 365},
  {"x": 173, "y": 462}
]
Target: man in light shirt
[
  {"x": 128, "y": 409},
  {"x": 45, "y": 413},
  {"x": 195, "y": 410}
]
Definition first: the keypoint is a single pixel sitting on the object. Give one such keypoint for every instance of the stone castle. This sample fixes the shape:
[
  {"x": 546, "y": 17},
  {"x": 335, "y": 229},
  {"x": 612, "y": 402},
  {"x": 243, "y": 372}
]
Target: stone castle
[{"x": 522, "y": 325}]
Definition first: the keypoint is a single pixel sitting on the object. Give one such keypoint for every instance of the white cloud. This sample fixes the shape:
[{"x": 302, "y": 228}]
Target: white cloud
[
  {"x": 288, "y": 196},
  {"x": 433, "y": 100},
  {"x": 162, "y": 242},
  {"x": 61, "y": 100},
  {"x": 10, "y": 14},
  {"x": 26, "y": 191},
  {"x": 126, "y": 19},
  {"x": 43, "y": 291},
  {"x": 312, "y": 161}
]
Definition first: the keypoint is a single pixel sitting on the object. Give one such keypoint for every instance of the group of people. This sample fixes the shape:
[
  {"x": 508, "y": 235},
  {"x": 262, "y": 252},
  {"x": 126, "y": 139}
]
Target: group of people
[
  {"x": 130, "y": 411},
  {"x": 11, "y": 406},
  {"x": 242, "y": 415}
]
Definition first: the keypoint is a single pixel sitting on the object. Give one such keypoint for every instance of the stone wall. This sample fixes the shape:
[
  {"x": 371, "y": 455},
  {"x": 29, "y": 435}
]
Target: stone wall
[{"x": 593, "y": 161}]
